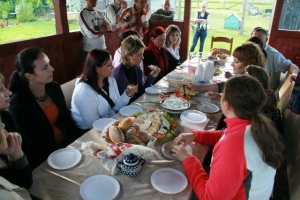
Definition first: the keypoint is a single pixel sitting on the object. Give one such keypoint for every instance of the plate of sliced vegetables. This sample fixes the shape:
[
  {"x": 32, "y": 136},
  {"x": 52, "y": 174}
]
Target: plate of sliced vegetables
[{"x": 167, "y": 124}]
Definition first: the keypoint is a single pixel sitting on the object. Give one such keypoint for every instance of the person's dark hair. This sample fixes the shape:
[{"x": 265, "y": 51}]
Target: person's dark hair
[
  {"x": 263, "y": 77},
  {"x": 250, "y": 53},
  {"x": 95, "y": 58},
  {"x": 24, "y": 64},
  {"x": 260, "y": 29},
  {"x": 247, "y": 96},
  {"x": 157, "y": 31},
  {"x": 127, "y": 33},
  {"x": 259, "y": 42}
]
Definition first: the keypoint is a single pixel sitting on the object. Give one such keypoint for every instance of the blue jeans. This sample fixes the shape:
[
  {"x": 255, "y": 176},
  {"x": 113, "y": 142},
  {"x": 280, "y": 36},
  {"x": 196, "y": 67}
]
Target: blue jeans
[{"x": 197, "y": 34}]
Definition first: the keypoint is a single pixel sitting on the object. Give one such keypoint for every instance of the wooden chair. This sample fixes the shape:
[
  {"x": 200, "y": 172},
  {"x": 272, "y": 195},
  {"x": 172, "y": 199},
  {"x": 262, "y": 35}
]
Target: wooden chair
[
  {"x": 222, "y": 39},
  {"x": 68, "y": 88}
]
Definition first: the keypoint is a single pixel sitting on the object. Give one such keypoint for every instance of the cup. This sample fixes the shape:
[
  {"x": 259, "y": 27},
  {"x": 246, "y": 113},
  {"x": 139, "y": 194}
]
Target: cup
[{"x": 194, "y": 59}]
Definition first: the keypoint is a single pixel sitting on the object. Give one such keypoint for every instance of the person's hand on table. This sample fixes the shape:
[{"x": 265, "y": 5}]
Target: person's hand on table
[
  {"x": 189, "y": 85},
  {"x": 184, "y": 138},
  {"x": 213, "y": 95},
  {"x": 180, "y": 152},
  {"x": 155, "y": 72}
]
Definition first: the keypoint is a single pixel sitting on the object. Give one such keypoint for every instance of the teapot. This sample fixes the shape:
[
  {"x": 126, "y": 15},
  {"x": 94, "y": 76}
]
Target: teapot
[{"x": 131, "y": 165}]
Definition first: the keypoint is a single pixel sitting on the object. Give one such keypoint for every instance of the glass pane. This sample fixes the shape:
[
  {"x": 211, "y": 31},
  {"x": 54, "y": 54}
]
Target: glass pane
[
  {"x": 176, "y": 5},
  {"x": 73, "y": 9},
  {"x": 22, "y": 20},
  {"x": 290, "y": 15}
]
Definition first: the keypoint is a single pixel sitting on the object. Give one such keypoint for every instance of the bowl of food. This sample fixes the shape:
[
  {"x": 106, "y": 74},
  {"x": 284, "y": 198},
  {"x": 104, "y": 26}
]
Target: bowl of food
[{"x": 174, "y": 106}]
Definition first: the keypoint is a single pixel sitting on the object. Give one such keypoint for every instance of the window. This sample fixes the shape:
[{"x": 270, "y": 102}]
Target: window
[
  {"x": 22, "y": 20},
  {"x": 290, "y": 16}
]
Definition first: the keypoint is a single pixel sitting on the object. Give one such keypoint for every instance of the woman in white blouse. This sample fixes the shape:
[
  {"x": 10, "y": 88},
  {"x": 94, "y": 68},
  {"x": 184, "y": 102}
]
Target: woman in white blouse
[
  {"x": 173, "y": 39},
  {"x": 96, "y": 93}
]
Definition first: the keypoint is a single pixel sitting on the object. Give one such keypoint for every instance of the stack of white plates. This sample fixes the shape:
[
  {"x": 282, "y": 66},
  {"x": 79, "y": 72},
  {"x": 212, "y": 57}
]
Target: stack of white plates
[{"x": 193, "y": 117}]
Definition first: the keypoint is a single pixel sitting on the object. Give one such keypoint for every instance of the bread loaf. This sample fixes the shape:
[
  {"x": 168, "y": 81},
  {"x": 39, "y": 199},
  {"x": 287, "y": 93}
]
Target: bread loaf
[
  {"x": 126, "y": 123},
  {"x": 116, "y": 134}
]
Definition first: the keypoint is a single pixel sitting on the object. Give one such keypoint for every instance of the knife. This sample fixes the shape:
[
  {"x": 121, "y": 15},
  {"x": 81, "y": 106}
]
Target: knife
[{"x": 158, "y": 162}]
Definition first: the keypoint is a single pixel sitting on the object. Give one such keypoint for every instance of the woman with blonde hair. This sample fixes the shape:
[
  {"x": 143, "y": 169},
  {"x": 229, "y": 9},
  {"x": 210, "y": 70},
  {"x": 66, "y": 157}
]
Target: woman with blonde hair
[
  {"x": 202, "y": 19},
  {"x": 129, "y": 72},
  {"x": 173, "y": 39}
]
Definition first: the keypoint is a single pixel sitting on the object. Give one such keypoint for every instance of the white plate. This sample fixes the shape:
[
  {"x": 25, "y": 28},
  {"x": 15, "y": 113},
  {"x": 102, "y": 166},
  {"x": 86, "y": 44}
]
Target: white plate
[
  {"x": 168, "y": 154},
  {"x": 193, "y": 117},
  {"x": 130, "y": 110},
  {"x": 208, "y": 107},
  {"x": 101, "y": 123},
  {"x": 168, "y": 180},
  {"x": 153, "y": 90},
  {"x": 100, "y": 187},
  {"x": 64, "y": 158}
]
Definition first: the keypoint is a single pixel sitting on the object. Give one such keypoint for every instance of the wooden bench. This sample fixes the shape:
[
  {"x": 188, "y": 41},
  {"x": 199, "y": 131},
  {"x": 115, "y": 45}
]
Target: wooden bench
[{"x": 291, "y": 137}]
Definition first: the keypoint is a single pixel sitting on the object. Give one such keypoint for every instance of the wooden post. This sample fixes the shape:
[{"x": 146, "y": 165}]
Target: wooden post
[{"x": 243, "y": 18}]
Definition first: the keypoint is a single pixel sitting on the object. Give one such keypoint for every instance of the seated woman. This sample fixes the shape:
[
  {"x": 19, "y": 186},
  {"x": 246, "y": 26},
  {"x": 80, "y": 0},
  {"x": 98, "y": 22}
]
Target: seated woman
[
  {"x": 128, "y": 71},
  {"x": 244, "y": 55},
  {"x": 96, "y": 94},
  {"x": 270, "y": 106},
  {"x": 156, "y": 54},
  {"x": 248, "y": 151},
  {"x": 117, "y": 57},
  {"x": 173, "y": 39},
  {"x": 38, "y": 107},
  {"x": 16, "y": 172},
  {"x": 14, "y": 166}
]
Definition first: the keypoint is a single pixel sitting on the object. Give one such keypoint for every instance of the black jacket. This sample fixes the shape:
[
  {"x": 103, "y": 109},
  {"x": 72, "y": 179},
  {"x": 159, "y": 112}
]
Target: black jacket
[
  {"x": 18, "y": 172},
  {"x": 33, "y": 125}
]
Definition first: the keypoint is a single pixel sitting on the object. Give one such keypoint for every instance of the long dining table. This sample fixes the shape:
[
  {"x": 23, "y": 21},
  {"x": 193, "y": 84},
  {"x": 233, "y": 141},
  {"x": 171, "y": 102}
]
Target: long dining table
[{"x": 49, "y": 183}]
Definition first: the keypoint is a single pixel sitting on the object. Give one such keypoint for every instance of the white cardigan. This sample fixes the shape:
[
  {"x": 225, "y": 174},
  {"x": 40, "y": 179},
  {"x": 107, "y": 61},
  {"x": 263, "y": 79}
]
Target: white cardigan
[{"x": 87, "y": 105}]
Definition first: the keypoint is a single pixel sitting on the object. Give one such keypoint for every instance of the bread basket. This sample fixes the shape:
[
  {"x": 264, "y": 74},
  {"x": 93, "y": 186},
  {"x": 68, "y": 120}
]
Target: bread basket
[{"x": 175, "y": 79}]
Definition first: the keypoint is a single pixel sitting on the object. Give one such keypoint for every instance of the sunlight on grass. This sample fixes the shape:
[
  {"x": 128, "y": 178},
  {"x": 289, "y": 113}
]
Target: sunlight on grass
[{"x": 217, "y": 12}]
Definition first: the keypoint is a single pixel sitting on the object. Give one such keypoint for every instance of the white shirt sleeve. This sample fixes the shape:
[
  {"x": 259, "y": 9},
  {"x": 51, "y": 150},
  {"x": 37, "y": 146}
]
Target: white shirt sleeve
[{"x": 87, "y": 104}]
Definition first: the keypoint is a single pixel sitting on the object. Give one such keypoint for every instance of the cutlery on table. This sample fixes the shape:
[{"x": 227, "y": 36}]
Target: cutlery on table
[{"x": 159, "y": 162}]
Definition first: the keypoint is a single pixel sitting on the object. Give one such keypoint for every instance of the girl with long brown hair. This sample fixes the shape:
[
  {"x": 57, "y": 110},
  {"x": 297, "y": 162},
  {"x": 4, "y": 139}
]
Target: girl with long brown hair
[{"x": 246, "y": 154}]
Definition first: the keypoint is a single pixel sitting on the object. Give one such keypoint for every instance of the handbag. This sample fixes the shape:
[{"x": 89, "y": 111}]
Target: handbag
[{"x": 202, "y": 27}]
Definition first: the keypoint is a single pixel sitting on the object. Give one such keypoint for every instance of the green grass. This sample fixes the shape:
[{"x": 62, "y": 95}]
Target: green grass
[
  {"x": 217, "y": 13},
  {"x": 30, "y": 30}
]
